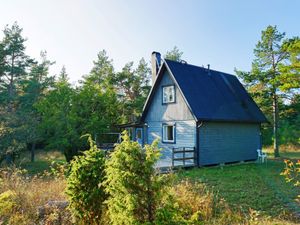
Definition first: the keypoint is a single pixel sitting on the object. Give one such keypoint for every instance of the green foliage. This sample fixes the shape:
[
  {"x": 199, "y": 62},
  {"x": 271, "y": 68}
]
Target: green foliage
[
  {"x": 291, "y": 172},
  {"x": 175, "y": 54},
  {"x": 58, "y": 121},
  {"x": 133, "y": 184},
  {"x": 95, "y": 109},
  {"x": 133, "y": 88},
  {"x": 102, "y": 71},
  {"x": 85, "y": 185},
  {"x": 8, "y": 203},
  {"x": 34, "y": 89},
  {"x": 14, "y": 65},
  {"x": 274, "y": 77}
]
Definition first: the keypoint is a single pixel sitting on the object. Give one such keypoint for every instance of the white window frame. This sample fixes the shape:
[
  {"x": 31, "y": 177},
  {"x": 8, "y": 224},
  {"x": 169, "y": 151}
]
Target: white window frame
[
  {"x": 168, "y": 91},
  {"x": 165, "y": 135}
]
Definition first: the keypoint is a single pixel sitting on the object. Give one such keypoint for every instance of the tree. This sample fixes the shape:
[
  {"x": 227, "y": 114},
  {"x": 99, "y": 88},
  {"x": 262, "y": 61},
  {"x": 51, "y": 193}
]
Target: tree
[
  {"x": 58, "y": 124},
  {"x": 14, "y": 65},
  {"x": 102, "y": 71},
  {"x": 273, "y": 73},
  {"x": 85, "y": 187},
  {"x": 34, "y": 89},
  {"x": 63, "y": 75},
  {"x": 131, "y": 85},
  {"x": 96, "y": 109},
  {"x": 134, "y": 187},
  {"x": 133, "y": 88},
  {"x": 175, "y": 54},
  {"x": 290, "y": 125}
]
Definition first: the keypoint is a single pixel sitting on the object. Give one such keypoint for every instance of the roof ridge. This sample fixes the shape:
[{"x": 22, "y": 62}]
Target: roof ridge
[{"x": 200, "y": 67}]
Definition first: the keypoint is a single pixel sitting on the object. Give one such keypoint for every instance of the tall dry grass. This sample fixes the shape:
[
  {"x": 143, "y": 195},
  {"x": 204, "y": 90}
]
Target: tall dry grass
[
  {"x": 21, "y": 195},
  {"x": 25, "y": 194},
  {"x": 199, "y": 205}
]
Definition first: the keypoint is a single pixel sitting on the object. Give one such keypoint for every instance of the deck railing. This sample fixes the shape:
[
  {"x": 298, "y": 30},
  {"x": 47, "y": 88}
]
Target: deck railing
[{"x": 187, "y": 156}]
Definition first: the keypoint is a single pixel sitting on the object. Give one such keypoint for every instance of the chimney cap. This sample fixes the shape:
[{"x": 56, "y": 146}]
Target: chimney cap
[{"x": 155, "y": 52}]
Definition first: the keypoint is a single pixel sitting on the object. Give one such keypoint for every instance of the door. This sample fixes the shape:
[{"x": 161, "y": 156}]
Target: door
[{"x": 139, "y": 135}]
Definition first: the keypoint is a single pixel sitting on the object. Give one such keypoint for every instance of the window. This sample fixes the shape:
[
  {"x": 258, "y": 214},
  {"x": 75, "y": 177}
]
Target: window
[
  {"x": 168, "y": 94},
  {"x": 168, "y": 133}
]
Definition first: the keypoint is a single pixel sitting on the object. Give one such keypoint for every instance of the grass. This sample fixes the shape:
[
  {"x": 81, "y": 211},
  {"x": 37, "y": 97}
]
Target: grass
[
  {"x": 43, "y": 161},
  {"x": 252, "y": 187},
  {"x": 21, "y": 195},
  {"x": 249, "y": 186},
  {"x": 254, "y": 191},
  {"x": 290, "y": 152}
]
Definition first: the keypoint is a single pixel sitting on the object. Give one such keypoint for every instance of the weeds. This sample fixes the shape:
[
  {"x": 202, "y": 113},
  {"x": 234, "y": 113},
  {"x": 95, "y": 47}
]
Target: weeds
[{"x": 23, "y": 194}]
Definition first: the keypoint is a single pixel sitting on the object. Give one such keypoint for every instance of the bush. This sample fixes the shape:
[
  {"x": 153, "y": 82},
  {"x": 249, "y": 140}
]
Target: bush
[
  {"x": 135, "y": 188},
  {"x": 85, "y": 185},
  {"x": 291, "y": 172},
  {"x": 8, "y": 203}
]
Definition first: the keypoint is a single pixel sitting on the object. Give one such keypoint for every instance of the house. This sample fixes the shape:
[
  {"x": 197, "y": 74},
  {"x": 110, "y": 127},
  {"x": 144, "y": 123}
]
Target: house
[{"x": 191, "y": 107}]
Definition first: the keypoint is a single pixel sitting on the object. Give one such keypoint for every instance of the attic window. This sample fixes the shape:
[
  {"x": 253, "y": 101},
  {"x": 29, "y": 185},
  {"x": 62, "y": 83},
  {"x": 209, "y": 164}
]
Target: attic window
[{"x": 168, "y": 94}]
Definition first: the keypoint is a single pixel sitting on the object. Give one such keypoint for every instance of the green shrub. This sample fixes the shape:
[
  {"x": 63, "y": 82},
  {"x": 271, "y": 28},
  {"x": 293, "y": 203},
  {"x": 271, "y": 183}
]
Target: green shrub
[
  {"x": 85, "y": 185},
  {"x": 8, "y": 203},
  {"x": 291, "y": 172},
  {"x": 135, "y": 188}
]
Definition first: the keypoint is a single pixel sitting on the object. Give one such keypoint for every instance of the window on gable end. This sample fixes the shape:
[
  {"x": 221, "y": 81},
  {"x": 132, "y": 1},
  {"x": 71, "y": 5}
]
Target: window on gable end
[{"x": 168, "y": 94}]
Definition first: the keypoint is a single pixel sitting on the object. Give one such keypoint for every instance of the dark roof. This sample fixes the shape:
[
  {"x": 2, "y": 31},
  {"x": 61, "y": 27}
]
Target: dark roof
[{"x": 213, "y": 95}]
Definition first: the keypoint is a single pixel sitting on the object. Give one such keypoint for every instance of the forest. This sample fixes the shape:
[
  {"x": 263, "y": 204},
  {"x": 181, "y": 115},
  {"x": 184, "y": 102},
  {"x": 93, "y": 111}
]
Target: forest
[{"x": 45, "y": 111}]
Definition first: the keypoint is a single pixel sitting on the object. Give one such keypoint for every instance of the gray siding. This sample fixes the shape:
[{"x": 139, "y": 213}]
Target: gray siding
[
  {"x": 185, "y": 136},
  {"x": 228, "y": 142},
  {"x": 168, "y": 112}
]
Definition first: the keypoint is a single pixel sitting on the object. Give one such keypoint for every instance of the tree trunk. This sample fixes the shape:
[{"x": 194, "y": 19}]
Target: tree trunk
[
  {"x": 32, "y": 152},
  {"x": 275, "y": 125}
]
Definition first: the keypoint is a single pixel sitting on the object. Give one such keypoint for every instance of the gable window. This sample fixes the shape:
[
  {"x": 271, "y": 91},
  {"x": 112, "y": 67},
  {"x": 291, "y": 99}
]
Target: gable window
[
  {"x": 168, "y": 94},
  {"x": 168, "y": 133}
]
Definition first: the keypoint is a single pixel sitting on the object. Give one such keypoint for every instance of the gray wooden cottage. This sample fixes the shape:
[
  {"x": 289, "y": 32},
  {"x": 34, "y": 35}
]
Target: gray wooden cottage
[{"x": 200, "y": 116}]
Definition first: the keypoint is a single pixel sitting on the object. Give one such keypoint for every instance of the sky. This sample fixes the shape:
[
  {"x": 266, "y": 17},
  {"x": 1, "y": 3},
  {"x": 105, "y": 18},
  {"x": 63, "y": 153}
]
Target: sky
[{"x": 216, "y": 32}]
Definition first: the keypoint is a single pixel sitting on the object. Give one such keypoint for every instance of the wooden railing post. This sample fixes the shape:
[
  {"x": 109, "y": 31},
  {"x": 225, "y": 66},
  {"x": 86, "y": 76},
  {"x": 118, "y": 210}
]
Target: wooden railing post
[
  {"x": 173, "y": 156},
  {"x": 183, "y": 151},
  {"x": 183, "y": 156}
]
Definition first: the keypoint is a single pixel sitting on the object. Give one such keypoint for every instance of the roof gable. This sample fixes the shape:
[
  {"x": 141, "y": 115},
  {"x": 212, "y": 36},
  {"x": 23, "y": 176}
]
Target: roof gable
[{"x": 164, "y": 78}]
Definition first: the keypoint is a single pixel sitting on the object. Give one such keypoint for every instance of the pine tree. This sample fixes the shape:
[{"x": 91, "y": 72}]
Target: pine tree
[
  {"x": 274, "y": 72},
  {"x": 34, "y": 89},
  {"x": 14, "y": 65},
  {"x": 175, "y": 54}
]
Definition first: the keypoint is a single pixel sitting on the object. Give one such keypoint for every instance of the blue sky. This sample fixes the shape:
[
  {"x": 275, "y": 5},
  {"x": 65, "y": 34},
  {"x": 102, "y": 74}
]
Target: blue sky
[{"x": 220, "y": 33}]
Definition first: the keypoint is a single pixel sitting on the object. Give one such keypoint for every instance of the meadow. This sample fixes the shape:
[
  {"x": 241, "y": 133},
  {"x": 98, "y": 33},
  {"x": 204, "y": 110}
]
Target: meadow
[{"x": 245, "y": 193}]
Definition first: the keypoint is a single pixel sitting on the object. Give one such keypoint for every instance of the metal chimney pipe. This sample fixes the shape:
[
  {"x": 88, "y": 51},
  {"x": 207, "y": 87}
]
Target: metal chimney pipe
[{"x": 155, "y": 64}]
